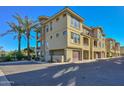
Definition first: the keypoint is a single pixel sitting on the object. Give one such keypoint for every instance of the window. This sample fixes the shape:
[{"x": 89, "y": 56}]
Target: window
[
  {"x": 86, "y": 41},
  {"x": 47, "y": 28},
  {"x": 111, "y": 45},
  {"x": 103, "y": 45},
  {"x": 95, "y": 43},
  {"x": 75, "y": 38},
  {"x": 99, "y": 44},
  {"x": 51, "y": 26},
  {"x": 99, "y": 35},
  {"x": 64, "y": 14},
  {"x": 57, "y": 34},
  {"x": 75, "y": 23},
  {"x": 86, "y": 32},
  {"x": 57, "y": 19},
  {"x": 65, "y": 33},
  {"x": 51, "y": 37}
]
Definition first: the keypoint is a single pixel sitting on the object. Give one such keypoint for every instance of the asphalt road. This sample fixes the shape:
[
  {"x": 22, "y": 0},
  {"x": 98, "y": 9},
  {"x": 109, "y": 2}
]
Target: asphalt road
[{"x": 99, "y": 73}]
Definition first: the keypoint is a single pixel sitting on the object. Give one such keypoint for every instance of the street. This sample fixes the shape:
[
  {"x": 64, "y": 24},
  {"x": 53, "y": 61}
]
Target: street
[{"x": 109, "y": 72}]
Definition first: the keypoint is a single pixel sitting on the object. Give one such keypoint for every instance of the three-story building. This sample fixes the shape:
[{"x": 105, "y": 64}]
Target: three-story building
[
  {"x": 98, "y": 43},
  {"x": 65, "y": 37}
]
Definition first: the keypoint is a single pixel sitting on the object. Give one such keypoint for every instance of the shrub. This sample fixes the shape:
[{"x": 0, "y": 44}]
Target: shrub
[
  {"x": 19, "y": 56},
  {"x": 8, "y": 58},
  {"x": 5, "y": 58}
]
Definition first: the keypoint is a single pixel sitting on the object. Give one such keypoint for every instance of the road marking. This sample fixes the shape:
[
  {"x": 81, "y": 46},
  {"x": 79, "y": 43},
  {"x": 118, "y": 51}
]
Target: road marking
[{"x": 3, "y": 80}]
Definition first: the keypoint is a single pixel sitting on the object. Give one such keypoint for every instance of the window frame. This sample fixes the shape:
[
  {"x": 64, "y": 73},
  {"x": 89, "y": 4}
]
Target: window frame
[{"x": 75, "y": 37}]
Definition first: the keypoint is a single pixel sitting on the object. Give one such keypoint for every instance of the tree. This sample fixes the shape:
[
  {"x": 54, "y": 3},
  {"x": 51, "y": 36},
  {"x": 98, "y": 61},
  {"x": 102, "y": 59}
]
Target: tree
[
  {"x": 28, "y": 26},
  {"x": 17, "y": 29}
]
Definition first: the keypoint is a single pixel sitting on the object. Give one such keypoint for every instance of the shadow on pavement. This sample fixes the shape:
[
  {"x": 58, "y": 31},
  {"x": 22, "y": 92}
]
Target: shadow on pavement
[{"x": 99, "y": 73}]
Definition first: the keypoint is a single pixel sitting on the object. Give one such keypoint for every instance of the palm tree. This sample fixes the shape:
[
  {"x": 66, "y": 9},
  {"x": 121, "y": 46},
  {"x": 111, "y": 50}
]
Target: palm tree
[
  {"x": 17, "y": 29},
  {"x": 28, "y": 26}
]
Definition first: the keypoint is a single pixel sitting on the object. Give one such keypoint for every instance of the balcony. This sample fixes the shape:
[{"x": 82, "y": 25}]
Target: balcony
[{"x": 86, "y": 33}]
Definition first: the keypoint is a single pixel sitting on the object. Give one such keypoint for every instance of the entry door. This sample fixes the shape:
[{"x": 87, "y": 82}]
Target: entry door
[
  {"x": 97, "y": 55},
  {"x": 76, "y": 55}
]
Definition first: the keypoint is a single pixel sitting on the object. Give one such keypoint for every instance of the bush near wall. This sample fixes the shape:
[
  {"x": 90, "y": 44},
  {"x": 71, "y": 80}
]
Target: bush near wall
[{"x": 13, "y": 56}]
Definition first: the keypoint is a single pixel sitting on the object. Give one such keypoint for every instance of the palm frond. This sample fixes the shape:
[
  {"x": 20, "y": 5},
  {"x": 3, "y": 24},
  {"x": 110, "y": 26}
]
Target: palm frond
[
  {"x": 7, "y": 32},
  {"x": 13, "y": 26},
  {"x": 14, "y": 37},
  {"x": 18, "y": 18}
]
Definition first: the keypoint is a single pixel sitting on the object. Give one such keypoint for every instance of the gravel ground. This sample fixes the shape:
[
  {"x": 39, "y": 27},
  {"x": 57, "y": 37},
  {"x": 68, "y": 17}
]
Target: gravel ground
[{"x": 109, "y": 72}]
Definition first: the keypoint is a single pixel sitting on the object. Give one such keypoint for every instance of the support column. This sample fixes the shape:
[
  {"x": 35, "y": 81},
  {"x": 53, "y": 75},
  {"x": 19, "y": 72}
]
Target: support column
[
  {"x": 92, "y": 54},
  {"x": 82, "y": 55},
  {"x": 88, "y": 55},
  {"x": 68, "y": 55}
]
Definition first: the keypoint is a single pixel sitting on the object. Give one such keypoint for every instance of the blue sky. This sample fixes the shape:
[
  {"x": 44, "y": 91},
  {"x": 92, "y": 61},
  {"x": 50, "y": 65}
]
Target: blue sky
[{"x": 110, "y": 18}]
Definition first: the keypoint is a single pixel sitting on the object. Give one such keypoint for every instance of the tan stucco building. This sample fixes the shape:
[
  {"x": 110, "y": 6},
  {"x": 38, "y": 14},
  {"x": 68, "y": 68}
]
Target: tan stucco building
[
  {"x": 122, "y": 51},
  {"x": 112, "y": 48},
  {"x": 65, "y": 37}
]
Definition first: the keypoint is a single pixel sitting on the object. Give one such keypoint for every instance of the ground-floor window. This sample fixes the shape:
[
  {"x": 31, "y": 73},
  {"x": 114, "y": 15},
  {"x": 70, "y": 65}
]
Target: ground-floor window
[{"x": 85, "y": 54}]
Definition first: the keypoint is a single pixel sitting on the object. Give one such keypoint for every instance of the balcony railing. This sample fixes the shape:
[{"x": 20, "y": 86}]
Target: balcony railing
[
  {"x": 85, "y": 44},
  {"x": 83, "y": 33}
]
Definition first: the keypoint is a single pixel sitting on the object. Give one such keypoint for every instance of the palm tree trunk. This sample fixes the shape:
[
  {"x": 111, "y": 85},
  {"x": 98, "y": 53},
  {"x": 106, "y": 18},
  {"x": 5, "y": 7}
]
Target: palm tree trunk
[
  {"x": 28, "y": 47},
  {"x": 19, "y": 43},
  {"x": 36, "y": 44}
]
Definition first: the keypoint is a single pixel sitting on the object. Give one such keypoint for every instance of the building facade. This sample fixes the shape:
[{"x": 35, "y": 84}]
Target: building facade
[
  {"x": 98, "y": 43},
  {"x": 112, "y": 48},
  {"x": 65, "y": 38},
  {"x": 122, "y": 50}
]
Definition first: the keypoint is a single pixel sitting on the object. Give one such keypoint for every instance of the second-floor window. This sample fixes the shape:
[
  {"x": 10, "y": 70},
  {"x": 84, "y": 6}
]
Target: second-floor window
[
  {"x": 86, "y": 41},
  {"x": 86, "y": 32},
  {"x": 111, "y": 44},
  {"x": 75, "y": 23},
  {"x": 75, "y": 38},
  {"x": 103, "y": 45},
  {"x": 95, "y": 43},
  {"x": 100, "y": 44}
]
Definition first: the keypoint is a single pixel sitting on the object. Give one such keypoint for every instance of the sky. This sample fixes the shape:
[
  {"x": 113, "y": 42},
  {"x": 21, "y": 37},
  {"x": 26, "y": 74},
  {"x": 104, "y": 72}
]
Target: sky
[{"x": 110, "y": 18}]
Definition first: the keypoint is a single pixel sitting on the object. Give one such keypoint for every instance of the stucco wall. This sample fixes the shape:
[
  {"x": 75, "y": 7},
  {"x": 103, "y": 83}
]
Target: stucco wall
[
  {"x": 59, "y": 27},
  {"x": 122, "y": 51}
]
